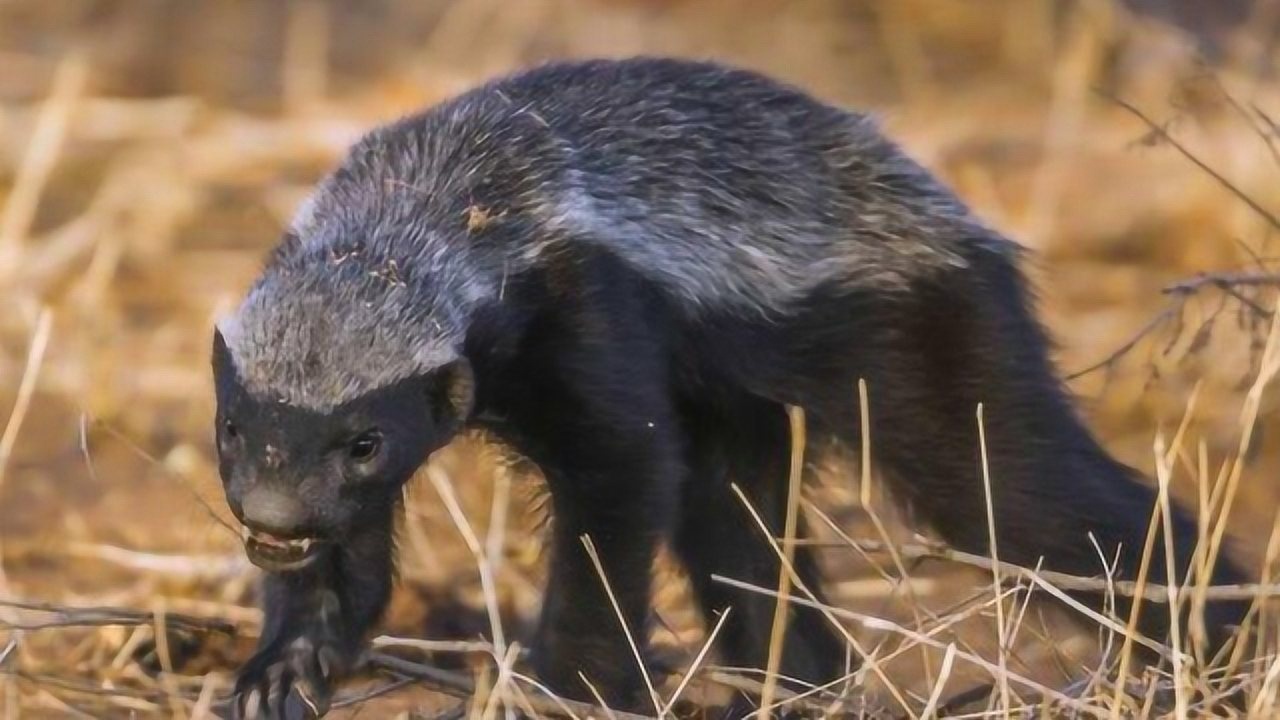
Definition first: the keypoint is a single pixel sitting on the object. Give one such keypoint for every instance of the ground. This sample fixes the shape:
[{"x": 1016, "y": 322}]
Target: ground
[{"x": 150, "y": 153}]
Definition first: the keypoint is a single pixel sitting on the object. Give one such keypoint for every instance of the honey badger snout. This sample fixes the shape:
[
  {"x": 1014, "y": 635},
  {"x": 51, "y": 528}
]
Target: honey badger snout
[
  {"x": 275, "y": 530},
  {"x": 271, "y": 510}
]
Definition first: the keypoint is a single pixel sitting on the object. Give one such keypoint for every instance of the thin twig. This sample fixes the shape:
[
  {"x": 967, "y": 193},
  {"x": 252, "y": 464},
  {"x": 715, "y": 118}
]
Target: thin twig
[
  {"x": 622, "y": 620},
  {"x": 151, "y": 697},
  {"x": 732, "y": 679},
  {"x": 1073, "y": 583},
  {"x": 1224, "y": 281},
  {"x": 1152, "y": 325},
  {"x": 159, "y": 465},
  {"x": 433, "y": 646},
  {"x": 379, "y": 691},
  {"x": 458, "y": 685}
]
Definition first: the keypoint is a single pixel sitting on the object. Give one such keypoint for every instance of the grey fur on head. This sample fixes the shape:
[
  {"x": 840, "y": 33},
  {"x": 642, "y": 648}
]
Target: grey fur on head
[
  {"x": 732, "y": 192},
  {"x": 337, "y": 337}
]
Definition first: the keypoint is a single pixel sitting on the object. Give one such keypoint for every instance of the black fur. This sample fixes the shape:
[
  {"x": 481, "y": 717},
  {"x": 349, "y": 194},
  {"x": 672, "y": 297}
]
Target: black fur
[{"x": 627, "y": 271}]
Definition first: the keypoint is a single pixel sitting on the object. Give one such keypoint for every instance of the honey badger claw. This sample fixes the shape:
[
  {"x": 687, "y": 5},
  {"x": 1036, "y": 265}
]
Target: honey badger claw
[{"x": 294, "y": 683}]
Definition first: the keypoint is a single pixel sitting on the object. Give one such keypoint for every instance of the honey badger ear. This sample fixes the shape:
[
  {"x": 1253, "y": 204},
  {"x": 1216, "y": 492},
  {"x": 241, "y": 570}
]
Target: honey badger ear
[
  {"x": 225, "y": 376},
  {"x": 221, "y": 356},
  {"x": 453, "y": 396}
]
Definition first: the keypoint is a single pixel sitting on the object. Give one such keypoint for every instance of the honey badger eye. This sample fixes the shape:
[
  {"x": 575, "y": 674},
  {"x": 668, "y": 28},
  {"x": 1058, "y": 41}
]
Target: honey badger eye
[
  {"x": 365, "y": 446},
  {"x": 230, "y": 430}
]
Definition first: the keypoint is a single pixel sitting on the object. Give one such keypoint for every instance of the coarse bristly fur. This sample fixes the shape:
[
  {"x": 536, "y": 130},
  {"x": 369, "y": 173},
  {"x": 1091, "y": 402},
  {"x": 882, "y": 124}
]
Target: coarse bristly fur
[{"x": 627, "y": 270}]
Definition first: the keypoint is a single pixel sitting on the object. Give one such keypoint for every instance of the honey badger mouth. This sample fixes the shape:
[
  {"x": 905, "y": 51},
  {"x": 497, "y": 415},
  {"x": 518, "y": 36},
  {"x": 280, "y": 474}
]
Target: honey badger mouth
[{"x": 277, "y": 554}]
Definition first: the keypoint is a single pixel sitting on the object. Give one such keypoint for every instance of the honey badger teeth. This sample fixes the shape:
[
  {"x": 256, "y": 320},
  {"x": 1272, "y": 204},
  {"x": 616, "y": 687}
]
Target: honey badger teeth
[
  {"x": 272, "y": 552},
  {"x": 264, "y": 538}
]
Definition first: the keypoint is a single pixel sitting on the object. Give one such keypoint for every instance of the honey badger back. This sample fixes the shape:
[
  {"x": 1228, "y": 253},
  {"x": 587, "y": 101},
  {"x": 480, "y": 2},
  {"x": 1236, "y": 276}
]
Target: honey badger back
[{"x": 627, "y": 270}]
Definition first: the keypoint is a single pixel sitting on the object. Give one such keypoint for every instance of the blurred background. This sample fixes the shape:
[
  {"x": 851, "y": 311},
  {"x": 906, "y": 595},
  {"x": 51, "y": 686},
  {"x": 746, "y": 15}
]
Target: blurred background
[{"x": 151, "y": 151}]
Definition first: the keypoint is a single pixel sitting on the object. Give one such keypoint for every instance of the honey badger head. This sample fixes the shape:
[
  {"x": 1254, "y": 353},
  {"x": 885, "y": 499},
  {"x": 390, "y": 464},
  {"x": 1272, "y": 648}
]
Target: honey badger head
[{"x": 335, "y": 379}]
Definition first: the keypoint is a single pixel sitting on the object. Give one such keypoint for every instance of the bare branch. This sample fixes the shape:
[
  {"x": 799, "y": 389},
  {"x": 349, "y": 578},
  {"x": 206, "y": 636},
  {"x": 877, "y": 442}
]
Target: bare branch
[
  {"x": 1223, "y": 281},
  {"x": 1160, "y": 132},
  {"x": 1230, "y": 284},
  {"x": 66, "y": 616},
  {"x": 1152, "y": 325}
]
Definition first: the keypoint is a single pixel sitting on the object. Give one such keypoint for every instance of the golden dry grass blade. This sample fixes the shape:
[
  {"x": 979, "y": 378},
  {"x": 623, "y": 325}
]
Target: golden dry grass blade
[
  {"x": 1131, "y": 629},
  {"x": 697, "y": 662},
  {"x": 37, "y": 164},
  {"x": 943, "y": 674},
  {"x": 1171, "y": 569},
  {"x": 1003, "y": 677},
  {"x": 444, "y": 488},
  {"x": 882, "y": 531},
  {"x": 778, "y": 631}
]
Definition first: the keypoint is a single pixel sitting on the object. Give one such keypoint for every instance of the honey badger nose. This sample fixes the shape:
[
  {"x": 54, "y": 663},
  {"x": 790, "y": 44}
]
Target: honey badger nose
[{"x": 273, "y": 511}]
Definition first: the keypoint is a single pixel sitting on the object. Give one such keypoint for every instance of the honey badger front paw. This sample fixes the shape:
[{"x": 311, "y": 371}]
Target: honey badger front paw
[{"x": 291, "y": 681}]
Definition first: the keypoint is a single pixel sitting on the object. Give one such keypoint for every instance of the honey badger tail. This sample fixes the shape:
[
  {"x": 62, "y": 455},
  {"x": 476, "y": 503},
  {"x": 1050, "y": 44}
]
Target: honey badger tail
[{"x": 1058, "y": 497}]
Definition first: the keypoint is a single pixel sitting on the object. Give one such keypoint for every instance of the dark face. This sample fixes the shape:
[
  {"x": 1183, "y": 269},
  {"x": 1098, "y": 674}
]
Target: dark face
[{"x": 300, "y": 481}]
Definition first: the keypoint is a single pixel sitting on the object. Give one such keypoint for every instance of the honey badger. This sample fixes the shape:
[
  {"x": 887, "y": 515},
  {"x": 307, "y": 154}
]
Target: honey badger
[{"x": 627, "y": 271}]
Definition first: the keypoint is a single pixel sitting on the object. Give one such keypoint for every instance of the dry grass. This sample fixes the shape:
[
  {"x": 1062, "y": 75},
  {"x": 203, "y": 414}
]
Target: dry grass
[{"x": 149, "y": 154}]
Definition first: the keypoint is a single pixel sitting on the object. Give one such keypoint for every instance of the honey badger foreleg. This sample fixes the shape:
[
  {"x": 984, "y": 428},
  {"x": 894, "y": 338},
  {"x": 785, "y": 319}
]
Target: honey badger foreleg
[
  {"x": 314, "y": 625},
  {"x": 746, "y": 441},
  {"x": 619, "y": 508},
  {"x": 586, "y": 398}
]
